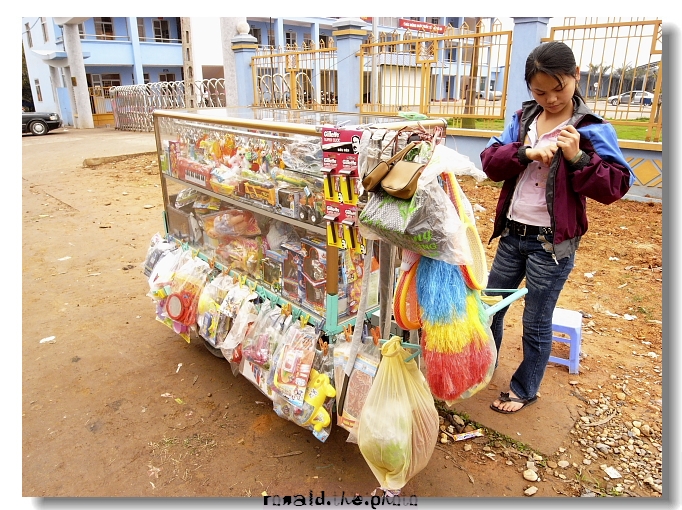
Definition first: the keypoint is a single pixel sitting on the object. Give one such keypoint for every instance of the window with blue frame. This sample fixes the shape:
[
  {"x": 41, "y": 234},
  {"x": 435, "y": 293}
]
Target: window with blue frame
[{"x": 141, "y": 34}]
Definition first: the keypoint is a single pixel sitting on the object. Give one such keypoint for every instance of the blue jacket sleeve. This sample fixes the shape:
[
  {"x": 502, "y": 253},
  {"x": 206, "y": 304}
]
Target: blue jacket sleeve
[
  {"x": 607, "y": 177},
  {"x": 500, "y": 158},
  {"x": 605, "y": 142}
]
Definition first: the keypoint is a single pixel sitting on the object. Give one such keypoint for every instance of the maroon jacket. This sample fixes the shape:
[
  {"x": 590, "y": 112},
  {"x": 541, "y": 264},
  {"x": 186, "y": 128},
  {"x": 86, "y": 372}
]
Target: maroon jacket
[{"x": 601, "y": 174}]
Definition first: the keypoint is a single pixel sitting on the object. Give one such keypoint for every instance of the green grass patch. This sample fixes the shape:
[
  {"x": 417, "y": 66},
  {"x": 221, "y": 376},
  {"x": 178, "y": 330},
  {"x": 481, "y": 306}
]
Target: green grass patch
[{"x": 627, "y": 132}]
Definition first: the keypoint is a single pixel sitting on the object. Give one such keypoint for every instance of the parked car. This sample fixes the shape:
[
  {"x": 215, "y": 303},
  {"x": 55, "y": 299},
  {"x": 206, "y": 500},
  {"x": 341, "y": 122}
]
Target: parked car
[
  {"x": 39, "y": 123},
  {"x": 633, "y": 97},
  {"x": 493, "y": 95}
]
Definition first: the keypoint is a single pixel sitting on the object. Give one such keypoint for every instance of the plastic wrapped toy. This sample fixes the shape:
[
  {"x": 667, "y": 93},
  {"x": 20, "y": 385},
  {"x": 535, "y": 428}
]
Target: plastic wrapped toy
[{"x": 319, "y": 389}]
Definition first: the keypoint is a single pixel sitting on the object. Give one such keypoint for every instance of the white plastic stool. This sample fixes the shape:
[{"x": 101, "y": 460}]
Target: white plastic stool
[{"x": 568, "y": 322}]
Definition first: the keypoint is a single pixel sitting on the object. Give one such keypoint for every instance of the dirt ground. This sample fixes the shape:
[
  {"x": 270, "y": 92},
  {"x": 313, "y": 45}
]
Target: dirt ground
[{"x": 96, "y": 423}]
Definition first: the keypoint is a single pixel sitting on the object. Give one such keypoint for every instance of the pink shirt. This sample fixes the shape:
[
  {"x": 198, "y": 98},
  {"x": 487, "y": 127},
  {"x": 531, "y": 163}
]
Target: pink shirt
[{"x": 529, "y": 204}]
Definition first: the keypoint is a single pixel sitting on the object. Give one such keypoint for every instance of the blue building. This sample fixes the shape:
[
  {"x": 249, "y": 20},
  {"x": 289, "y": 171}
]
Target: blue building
[
  {"x": 115, "y": 51},
  {"x": 72, "y": 62}
]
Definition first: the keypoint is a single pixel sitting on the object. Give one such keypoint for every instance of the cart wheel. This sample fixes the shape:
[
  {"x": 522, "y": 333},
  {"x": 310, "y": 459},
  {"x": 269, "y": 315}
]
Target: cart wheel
[{"x": 213, "y": 350}]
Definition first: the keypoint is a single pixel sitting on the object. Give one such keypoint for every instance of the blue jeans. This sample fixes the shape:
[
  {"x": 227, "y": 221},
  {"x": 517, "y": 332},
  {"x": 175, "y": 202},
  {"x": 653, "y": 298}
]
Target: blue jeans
[{"x": 531, "y": 257}]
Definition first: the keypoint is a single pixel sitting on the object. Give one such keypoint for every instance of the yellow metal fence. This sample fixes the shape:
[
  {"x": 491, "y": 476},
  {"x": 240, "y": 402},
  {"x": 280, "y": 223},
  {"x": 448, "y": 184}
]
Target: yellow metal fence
[
  {"x": 457, "y": 75},
  {"x": 621, "y": 67},
  {"x": 460, "y": 74}
]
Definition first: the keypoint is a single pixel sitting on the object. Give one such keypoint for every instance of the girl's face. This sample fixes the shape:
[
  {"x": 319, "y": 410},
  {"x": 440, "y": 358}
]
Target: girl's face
[{"x": 555, "y": 97}]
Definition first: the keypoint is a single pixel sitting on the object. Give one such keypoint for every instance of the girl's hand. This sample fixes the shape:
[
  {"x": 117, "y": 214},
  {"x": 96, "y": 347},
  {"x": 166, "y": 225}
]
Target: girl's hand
[
  {"x": 543, "y": 154},
  {"x": 569, "y": 141}
]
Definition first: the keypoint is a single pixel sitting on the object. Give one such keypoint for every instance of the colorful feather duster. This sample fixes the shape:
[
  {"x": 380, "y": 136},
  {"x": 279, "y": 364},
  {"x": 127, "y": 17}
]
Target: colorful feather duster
[
  {"x": 454, "y": 338},
  {"x": 444, "y": 301}
]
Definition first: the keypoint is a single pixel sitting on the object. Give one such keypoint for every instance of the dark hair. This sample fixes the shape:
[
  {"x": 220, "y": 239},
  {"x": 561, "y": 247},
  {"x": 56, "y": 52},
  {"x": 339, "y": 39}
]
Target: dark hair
[{"x": 553, "y": 58}]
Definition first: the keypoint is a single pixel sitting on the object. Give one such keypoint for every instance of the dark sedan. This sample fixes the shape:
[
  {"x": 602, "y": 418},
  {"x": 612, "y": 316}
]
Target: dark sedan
[{"x": 39, "y": 123}]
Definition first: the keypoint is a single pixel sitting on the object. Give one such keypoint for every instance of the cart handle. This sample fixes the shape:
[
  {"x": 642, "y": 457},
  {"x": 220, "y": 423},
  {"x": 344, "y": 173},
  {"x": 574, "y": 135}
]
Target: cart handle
[{"x": 516, "y": 294}]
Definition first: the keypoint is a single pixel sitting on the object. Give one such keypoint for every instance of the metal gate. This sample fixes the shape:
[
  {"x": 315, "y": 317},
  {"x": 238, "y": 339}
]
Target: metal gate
[
  {"x": 304, "y": 78},
  {"x": 132, "y": 105}
]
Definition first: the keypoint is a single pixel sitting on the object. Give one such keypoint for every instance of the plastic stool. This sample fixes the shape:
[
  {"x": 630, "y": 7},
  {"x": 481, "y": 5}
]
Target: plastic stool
[{"x": 568, "y": 322}]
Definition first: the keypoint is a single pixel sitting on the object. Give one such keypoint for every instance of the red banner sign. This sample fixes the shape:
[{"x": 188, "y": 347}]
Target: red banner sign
[{"x": 421, "y": 25}]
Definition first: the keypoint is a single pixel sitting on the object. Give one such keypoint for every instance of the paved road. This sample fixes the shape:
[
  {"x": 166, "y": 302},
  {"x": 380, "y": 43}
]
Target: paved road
[{"x": 65, "y": 147}]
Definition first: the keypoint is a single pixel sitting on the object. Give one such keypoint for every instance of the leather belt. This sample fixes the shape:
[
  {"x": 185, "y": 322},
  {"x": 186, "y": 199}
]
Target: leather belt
[{"x": 521, "y": 229}]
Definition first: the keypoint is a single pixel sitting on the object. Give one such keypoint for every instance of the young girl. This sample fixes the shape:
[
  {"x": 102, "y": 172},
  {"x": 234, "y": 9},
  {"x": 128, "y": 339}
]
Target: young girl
[{"x": 553, "y": 155}]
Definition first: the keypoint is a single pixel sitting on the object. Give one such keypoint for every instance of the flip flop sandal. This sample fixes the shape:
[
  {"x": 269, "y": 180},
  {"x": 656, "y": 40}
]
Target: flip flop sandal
[{"x": 504, "y": 397}]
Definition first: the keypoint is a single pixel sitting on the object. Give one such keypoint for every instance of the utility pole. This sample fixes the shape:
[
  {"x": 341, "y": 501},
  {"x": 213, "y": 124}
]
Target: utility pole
[
  {"x": 188, "y": 63},
  {"x": 470, "y": 96},
  {"x": 374, "y": 95}
]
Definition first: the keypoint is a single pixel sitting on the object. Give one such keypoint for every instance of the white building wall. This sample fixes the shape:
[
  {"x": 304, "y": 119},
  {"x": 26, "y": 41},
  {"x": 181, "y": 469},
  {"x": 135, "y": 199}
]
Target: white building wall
[
  {"x": 37, "y": 69},
  {"x": 207, "y": 49}
]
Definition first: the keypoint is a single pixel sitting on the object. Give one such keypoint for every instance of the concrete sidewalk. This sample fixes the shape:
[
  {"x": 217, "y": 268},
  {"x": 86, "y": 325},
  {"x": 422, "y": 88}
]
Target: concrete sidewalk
[{"x": 545, "y": 425}]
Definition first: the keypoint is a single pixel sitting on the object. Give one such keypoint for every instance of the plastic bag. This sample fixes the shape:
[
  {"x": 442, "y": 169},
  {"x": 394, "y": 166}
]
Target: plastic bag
[
  {"x": 318, "y": 402},
  {"x": 292, "y": 361},
  {"x": 162, "y": 273},
  {"x": 260, "y": 342},
  {"x": 359, "y": 383},
  {"x": 427, "y": 223},
  {"x": 180, "y": 308},
  {"x": 458, "y": 164},
  {"x": 186, "y": 197},
  {"x": 258, "y": 345},
  {"x": 228, "y": 223},
  {"x": 399, "y": 422}
]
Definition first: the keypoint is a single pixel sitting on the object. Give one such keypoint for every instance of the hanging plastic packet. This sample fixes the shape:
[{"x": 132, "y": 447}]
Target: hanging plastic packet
[
  {"x": 318, "y": 402},
  {"x": 162, "y": 274},
  {"x": 258, "y": 345},
  {"x": 231, "y": 346},
  {"x": 158, "y": 247},
  {"x": 359, "y": 384},
  {"x": 185, "y": 288},
  {"x": 208, "y": 308},
  {"x": 292, "y": 363},
  {"x": 230, "y": 307},
  {"x": 257, "y": 348}
]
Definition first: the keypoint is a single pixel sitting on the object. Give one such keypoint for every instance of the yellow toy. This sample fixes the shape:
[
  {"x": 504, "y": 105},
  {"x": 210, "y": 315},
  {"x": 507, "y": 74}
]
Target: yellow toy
[{"x": 316, "y": 393}]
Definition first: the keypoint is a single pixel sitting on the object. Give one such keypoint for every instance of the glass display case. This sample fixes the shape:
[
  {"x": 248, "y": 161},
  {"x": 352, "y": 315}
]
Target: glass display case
[{"x": 272, "y": 197}]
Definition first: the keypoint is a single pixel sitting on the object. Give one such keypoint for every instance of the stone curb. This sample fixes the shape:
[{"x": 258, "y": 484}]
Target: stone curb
[{"x": 90, "y": 162}]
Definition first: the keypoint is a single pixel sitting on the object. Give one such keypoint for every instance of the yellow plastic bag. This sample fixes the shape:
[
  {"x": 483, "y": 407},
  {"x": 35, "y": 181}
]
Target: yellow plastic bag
[{"x": 399, "y": 422}]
